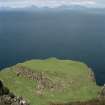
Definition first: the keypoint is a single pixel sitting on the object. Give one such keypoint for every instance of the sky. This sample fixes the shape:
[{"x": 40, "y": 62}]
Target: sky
[{"x": 51, "y": 3}]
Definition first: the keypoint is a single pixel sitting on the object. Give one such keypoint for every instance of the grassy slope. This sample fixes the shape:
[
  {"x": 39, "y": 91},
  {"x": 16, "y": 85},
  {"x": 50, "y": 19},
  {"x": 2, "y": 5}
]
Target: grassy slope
[{"x": 82, "y": 88}]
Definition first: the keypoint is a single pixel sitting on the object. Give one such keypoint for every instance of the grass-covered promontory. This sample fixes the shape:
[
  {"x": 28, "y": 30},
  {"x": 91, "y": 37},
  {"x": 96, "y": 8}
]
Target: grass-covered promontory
[{"x": 51, "y": 80}]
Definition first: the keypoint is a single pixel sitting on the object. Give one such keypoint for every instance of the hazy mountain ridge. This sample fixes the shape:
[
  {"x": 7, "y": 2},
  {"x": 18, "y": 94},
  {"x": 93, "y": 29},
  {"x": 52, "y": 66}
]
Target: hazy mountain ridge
[{"x": 61, "y": 8}]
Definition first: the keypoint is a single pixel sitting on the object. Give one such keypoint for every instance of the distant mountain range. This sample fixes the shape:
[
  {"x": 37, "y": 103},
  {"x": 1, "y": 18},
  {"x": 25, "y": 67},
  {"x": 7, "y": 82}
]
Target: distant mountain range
[{"x": 71, "y": 7}]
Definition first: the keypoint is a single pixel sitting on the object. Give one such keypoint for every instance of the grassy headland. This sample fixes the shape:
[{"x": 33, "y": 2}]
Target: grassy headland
[{"x": 51, "y": 80}]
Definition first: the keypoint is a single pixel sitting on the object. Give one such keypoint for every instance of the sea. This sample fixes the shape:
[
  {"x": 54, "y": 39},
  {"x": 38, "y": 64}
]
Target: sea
[{"x": 65, "y": 34}]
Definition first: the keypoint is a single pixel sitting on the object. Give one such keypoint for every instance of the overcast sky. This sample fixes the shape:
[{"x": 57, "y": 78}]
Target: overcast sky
[{"x": 51, "y": 3}]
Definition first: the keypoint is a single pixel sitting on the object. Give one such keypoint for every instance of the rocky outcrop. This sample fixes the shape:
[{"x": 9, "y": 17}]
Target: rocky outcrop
[
  {"x": 8, "y": 98},
  {"x": 43, "y": 81},
  {"x": 41, "y": 78},
  {"x": 3, "y": 90},
  {"x": 92, "y": 75},
  {"x": 102, "y": 93}
]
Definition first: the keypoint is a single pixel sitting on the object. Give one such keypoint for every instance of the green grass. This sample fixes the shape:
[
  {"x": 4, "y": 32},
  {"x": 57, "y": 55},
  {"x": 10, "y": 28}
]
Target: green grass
[{"x": 82, "y": 87}]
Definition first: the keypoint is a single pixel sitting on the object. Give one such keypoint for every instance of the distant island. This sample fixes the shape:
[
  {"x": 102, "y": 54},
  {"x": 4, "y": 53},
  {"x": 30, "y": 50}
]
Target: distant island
[{"x": 53, "y": 82}]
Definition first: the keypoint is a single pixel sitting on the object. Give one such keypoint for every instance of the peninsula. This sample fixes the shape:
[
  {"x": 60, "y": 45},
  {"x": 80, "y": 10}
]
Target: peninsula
[{"x": 48, "y": 81}]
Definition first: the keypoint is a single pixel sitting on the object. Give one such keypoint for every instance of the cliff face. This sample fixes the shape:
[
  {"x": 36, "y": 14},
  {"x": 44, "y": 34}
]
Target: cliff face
[{"x": 8, "y": 98}]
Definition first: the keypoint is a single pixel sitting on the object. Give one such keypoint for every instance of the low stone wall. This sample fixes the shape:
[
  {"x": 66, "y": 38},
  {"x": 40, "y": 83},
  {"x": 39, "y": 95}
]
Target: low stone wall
[
  {"x": 40, "y": 77},
  {"x": 43, "y": 81}
]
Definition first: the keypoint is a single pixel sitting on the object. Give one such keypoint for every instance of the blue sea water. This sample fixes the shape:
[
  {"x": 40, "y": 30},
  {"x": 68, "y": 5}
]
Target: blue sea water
[{"x": 76, "y": 35}]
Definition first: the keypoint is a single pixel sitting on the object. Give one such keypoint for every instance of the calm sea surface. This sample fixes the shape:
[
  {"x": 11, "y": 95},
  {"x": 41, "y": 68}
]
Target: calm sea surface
[{"x": 62, "y": 34}]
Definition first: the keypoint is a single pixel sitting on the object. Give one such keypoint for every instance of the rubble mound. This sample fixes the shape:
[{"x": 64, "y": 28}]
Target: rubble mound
[{"x": 8, "y": 98}]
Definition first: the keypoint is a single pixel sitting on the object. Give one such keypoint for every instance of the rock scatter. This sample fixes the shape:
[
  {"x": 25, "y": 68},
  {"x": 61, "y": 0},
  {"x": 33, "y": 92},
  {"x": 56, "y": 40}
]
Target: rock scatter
[{"x": 8, "y": 98}]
